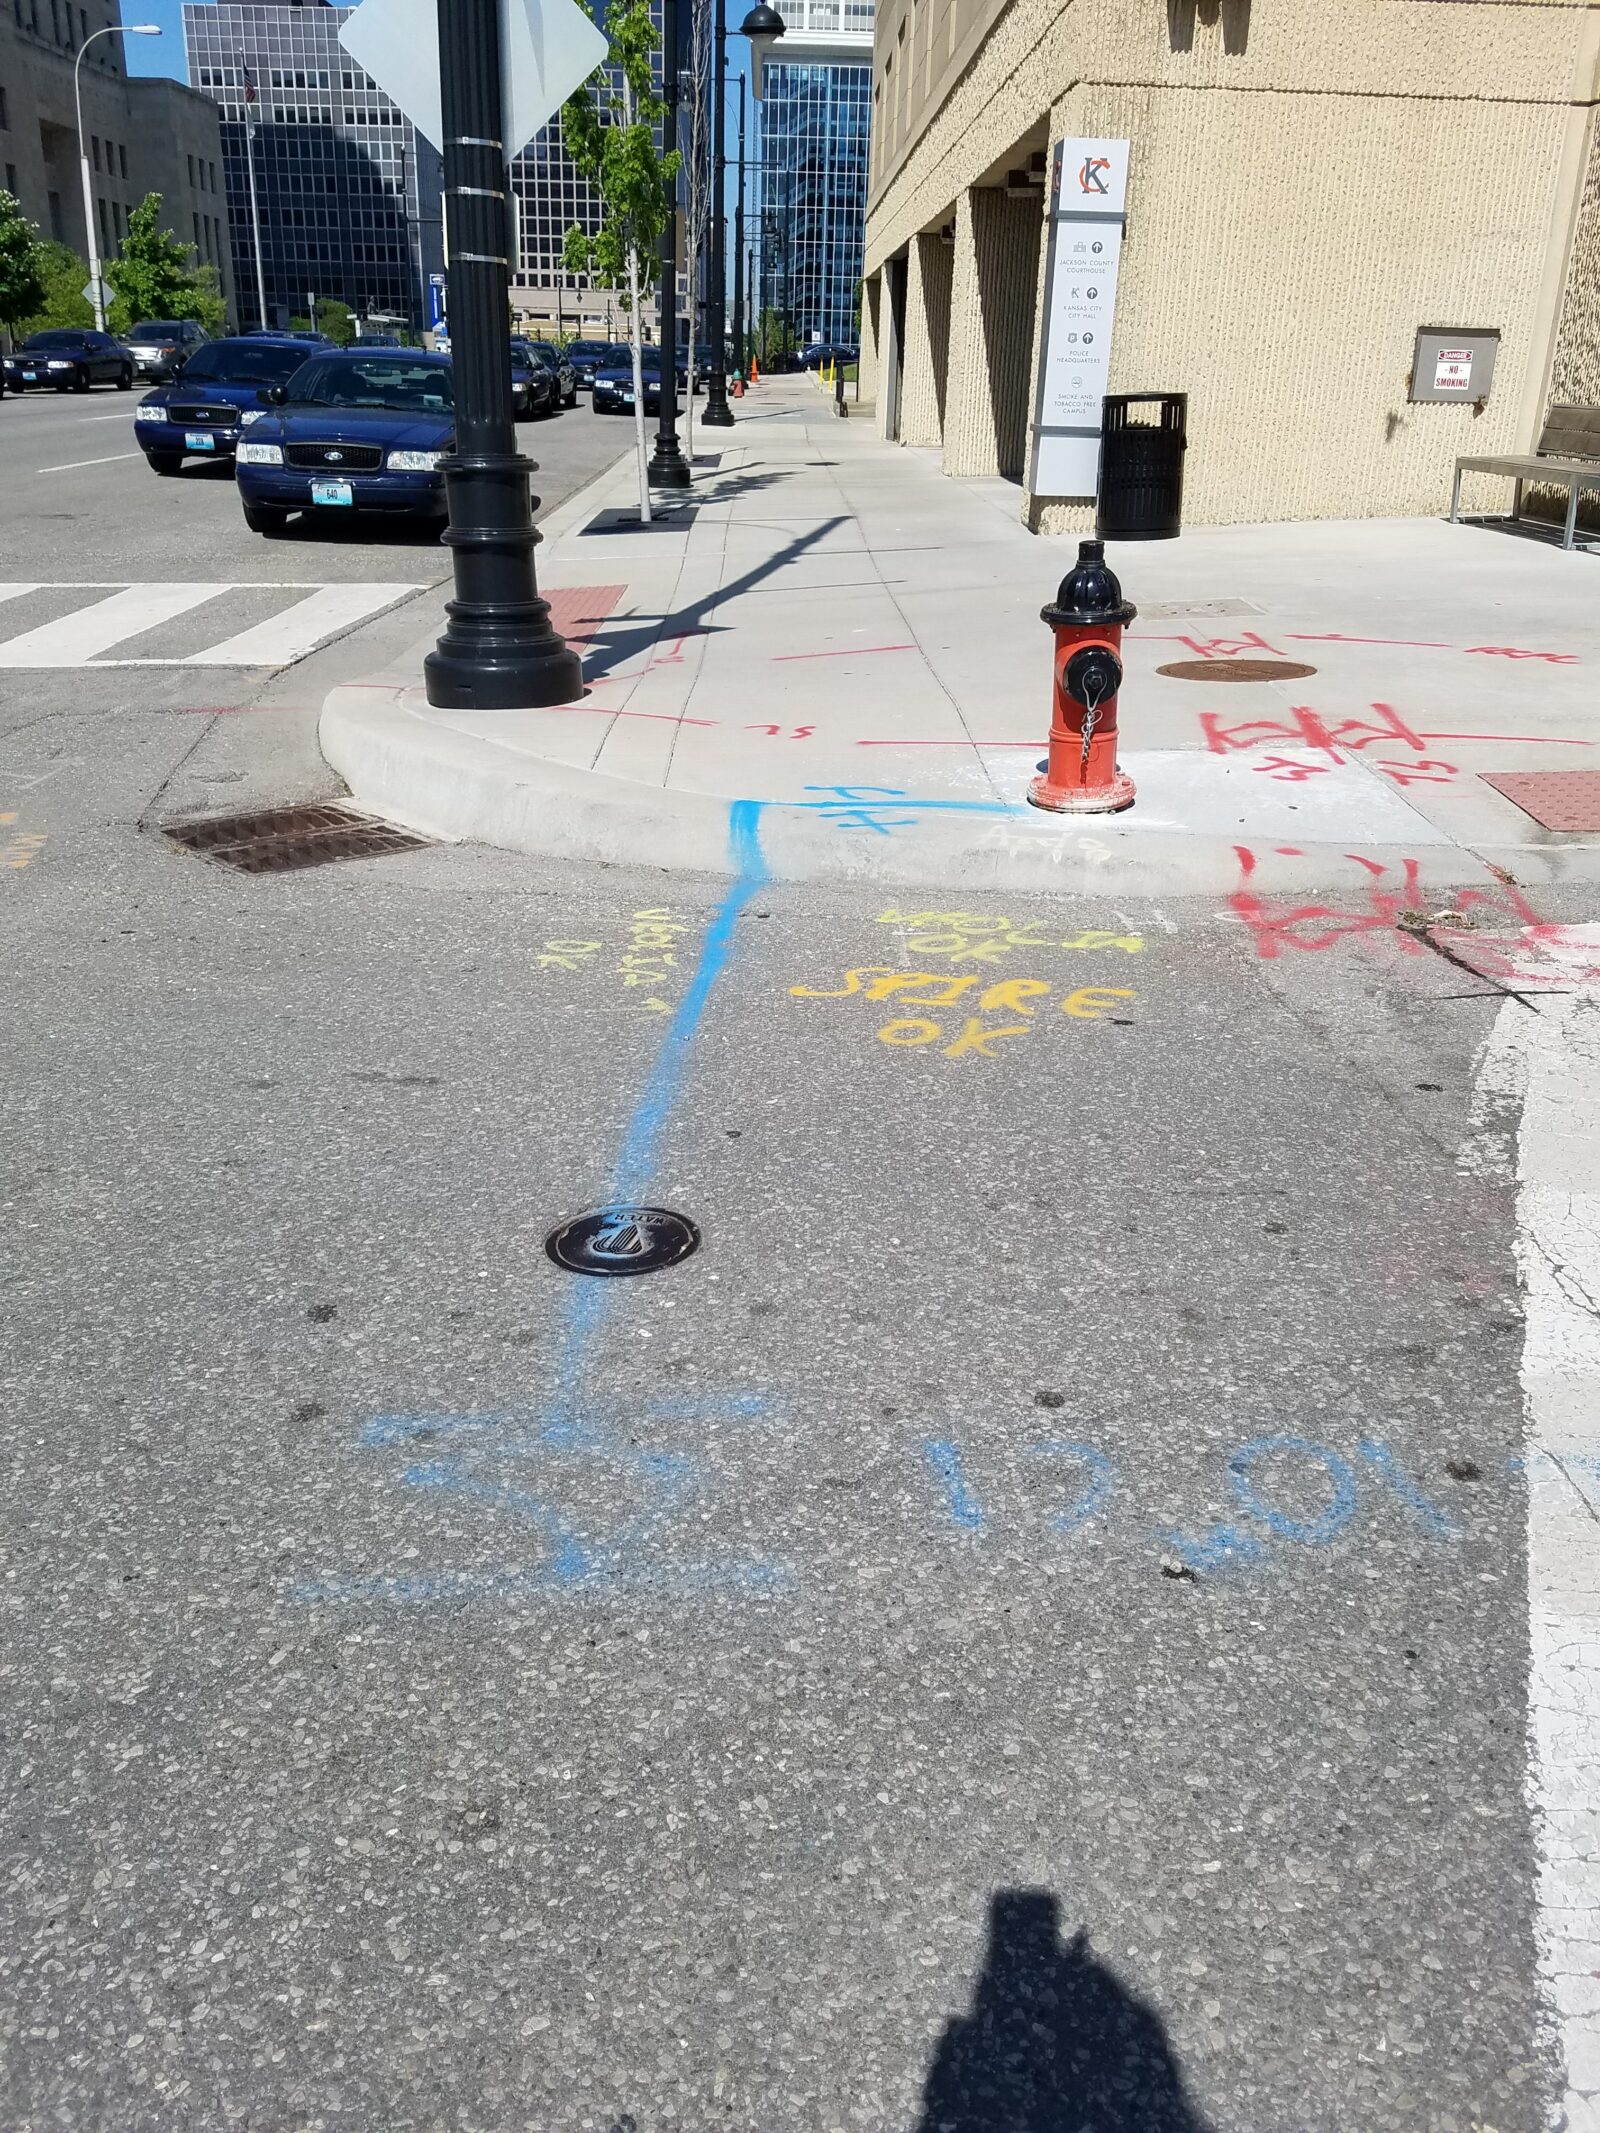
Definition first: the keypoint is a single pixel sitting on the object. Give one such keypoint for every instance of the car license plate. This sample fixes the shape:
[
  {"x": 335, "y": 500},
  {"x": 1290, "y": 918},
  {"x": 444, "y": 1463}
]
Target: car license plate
[
  {"x": 199, "y": 441},
  {"x": 332, "y": 492},
  {"x": 30, "y": 377}
]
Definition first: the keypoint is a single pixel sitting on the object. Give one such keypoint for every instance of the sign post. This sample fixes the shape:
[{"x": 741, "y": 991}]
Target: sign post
[
  {"x": 1088, "y": 193},
  {"x": 478, "y": 78}
]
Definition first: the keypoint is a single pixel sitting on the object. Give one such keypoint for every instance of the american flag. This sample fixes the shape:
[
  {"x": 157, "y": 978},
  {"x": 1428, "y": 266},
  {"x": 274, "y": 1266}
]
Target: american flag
[{"x": 249, "y": 81}]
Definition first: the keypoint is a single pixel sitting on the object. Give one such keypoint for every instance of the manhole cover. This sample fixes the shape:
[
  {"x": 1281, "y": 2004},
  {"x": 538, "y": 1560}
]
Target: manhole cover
[
  {"x": 622, "y": 1240},
  {"x": 1236, "y": 670},
  {"x": 282, "y": 840},
  {"x": 1556, "y": 799}
]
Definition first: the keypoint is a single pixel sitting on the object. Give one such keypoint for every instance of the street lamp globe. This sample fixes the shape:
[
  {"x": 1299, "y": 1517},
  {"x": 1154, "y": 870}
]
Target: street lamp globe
[
  {"x": 141, "y": 29},
  {"x": 762, "y": 25}
]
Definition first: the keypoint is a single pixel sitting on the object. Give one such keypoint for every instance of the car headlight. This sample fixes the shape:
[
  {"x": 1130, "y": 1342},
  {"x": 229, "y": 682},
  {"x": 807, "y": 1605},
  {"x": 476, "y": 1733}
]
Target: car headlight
[
  {"x": 252, "y": 414},
  {"x": 414, "y": 462},
  {"x": 53, "y": 365},
  {"x": 150, "y": 414},
  {"x": 261, "y": 455}
]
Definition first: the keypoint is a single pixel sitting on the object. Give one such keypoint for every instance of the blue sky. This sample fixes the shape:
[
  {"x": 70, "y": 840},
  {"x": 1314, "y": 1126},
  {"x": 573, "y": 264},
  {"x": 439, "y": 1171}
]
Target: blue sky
[{"x": 156, "y": 55}]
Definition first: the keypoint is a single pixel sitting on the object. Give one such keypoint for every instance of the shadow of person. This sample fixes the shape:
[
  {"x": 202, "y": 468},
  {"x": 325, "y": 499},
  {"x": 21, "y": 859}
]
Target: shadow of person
[{"x": 1055, "y": 2043}]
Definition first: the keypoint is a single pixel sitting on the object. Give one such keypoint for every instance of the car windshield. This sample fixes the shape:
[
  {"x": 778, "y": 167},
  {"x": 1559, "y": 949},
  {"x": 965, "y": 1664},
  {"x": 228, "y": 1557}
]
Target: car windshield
[
  {"x": 400, "y": 382},
  {"x": 590, "y": 351},
  {"x": 157, "y": 329},
  {"x": 243, "y": 363},
  {"x": 54, "y": 340}
]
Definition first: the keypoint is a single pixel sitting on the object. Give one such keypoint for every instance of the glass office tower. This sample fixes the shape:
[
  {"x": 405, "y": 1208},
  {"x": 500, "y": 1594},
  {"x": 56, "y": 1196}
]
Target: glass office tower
[
  {"x": 348, "y": 195},
  {"x": 816, "y": 106}
]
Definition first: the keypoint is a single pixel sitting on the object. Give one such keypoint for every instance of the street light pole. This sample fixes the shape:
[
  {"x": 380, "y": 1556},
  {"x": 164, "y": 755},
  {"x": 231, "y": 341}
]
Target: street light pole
[
  {"x": 249, "y": 94},
  {"x": 738, "y": 252},
  {"x": 668, "y": 467},
  {"x": 115, "y": 29},
  {"x": 498, "y": 651},
  {"x": 718, "y": 414}
]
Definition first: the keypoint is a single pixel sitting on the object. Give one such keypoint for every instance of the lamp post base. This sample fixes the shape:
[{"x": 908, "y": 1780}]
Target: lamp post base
[
  {"x": 498, "y": 651},
  {"x": 718, "y": 414},
  {"x": 668, "y": 468}
]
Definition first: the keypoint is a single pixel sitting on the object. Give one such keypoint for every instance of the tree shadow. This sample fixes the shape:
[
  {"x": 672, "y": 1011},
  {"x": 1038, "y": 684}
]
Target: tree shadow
[{"x": 1055, "y": 2042}]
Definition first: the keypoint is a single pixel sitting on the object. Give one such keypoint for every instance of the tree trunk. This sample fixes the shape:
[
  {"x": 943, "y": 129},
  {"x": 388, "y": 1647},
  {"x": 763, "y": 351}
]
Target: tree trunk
[{"x": 634, "y": 342}]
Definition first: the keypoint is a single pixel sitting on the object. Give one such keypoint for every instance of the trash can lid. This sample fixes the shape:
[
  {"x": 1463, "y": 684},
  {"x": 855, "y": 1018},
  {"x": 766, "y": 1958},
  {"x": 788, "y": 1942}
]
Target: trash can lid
[{"x": 1089, "y": 592}]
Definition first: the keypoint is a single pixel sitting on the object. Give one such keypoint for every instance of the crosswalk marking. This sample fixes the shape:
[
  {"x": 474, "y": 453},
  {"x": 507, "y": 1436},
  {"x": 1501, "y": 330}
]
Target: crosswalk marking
[
  {"x": 289, "y": 636},
  {"x": 73, "y": 640},
  {"x": 79, "y": 639}
]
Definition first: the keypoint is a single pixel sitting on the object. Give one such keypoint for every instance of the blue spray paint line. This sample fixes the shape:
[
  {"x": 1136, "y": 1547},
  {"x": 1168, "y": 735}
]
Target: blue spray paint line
[
  {"x": 1310, "y": 1532},
  {"x": 1428, "y": 1514},
  {"x": 964, "y": 1508},
  {"x": 636, "y": 1159}
]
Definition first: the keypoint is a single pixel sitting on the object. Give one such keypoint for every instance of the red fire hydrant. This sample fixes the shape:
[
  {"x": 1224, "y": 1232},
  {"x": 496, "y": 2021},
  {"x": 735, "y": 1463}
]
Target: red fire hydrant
[{"x": 1080, "y": 774}]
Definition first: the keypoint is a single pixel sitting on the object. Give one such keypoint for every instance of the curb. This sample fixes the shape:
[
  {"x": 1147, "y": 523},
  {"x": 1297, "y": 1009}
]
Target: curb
[{"x": 459, "y": 787}]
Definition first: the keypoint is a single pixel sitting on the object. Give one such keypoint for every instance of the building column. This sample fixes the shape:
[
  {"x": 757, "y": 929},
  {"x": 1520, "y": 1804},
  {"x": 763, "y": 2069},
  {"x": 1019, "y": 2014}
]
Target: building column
[
  {"x": 994, "y": 290},
  {"x": 927, "y": 340},
  {"x": 871, "y": 358}
]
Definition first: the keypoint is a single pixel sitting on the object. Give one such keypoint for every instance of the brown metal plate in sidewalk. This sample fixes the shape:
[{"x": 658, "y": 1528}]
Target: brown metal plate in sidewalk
[
  {"x": 284, "y": 840},
  {"x": 1556, "y": 799},
  {"x": 1236, "y": 670}
]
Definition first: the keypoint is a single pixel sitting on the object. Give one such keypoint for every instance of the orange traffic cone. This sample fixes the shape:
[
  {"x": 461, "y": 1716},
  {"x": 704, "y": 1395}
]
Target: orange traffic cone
[{"x": 755, "y": 371}]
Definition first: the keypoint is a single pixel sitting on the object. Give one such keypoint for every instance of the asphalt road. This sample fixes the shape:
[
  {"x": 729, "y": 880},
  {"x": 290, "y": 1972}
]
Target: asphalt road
[{"x": 1026, "y": 1629}]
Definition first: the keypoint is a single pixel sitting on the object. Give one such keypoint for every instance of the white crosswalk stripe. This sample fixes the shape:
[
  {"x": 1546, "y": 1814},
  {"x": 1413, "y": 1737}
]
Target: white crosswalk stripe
[{"x": 88, "y": 635}]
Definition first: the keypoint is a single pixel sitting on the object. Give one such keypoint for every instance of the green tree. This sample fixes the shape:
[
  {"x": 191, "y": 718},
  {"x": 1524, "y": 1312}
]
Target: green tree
[
  {"x": 335, "y": 320},
  {"x": 63, "y": 274},
  {"x": 609, "y": 128},
  {"x": 153, "y": 274},
  {"x": 210, "y": 306},
  {"x": 21, "y": 265}
]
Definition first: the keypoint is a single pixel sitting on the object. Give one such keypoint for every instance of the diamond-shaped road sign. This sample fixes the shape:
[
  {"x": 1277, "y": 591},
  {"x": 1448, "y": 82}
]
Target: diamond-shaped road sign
[
  {"x": 548, "y": 47},
  {"x": 95, "y": 292}
]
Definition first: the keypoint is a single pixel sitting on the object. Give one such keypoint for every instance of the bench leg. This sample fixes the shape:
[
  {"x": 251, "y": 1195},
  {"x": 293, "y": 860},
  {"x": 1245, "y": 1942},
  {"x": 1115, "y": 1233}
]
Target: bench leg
[
  {"x": 1455, "y": 500},
  {"x": 1516, "y": 501},
  {"x": 1572, "y": 515}
]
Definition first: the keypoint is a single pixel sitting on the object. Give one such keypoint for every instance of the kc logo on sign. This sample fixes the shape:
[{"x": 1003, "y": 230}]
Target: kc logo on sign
[{"x": 1091, "y": 176}]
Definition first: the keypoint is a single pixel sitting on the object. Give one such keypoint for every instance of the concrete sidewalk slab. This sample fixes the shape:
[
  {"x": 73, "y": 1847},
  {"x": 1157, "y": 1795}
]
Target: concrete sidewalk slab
[{"x": 840, "y": 638}]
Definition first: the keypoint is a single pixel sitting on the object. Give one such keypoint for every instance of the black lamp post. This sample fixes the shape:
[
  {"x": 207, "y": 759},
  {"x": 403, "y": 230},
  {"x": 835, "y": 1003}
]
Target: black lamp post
[
  {"x": 668, "y": 467},
  {"x": 738, "y": 251},
  {"x": 498, "y": 651},
  {"x": 718, "y": 414}
]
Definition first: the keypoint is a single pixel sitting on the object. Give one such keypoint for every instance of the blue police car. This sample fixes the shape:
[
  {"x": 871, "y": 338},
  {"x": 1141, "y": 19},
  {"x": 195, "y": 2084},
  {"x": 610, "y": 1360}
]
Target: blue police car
[
  {"x": 217, "y": 394},
  {"x": 355, "y": 429}
]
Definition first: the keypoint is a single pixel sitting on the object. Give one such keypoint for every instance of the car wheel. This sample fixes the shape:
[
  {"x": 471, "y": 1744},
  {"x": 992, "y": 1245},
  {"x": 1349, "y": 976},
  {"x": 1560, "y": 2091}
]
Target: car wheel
[
  {"x": 572, "y": 398},
  {"x": 268, "y": 519},
  {"x": 81, "y": 385},
  {"x": 125, "y": 382},
  {"x": 165, "y": 462}
]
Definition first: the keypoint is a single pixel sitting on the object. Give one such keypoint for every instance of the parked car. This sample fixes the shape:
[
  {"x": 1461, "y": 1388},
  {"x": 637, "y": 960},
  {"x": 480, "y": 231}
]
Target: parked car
[
  {"x": 355, "y": 429},
  {"x": 70, "y": 358},
  {"x": 218, "y": 393},
  {"x": 159, "y": 345},
  {"x": 287, "y": 333},
  {"x": 586, "y": 357},
  {"x": 556, "y": 363},
  {"x": 533, "y": 385},
  {"x": 613, "y": 385}
]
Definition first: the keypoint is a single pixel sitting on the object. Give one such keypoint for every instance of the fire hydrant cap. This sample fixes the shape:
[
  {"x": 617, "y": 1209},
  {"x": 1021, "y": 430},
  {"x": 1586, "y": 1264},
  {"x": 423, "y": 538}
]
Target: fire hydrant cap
[{"x": 1089, "y": 592}]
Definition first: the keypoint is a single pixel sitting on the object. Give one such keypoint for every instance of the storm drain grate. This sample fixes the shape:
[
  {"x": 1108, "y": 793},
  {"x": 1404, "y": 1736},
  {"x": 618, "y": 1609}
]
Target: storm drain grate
[
  {"x": 1556, "y": 799},
  {"x": 1236, "y": 670},
  {"x": 284, "y": 840}
]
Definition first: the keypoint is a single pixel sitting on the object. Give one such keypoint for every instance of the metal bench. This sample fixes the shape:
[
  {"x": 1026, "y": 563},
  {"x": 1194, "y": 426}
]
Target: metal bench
[{"x": 1568, "y": 454}]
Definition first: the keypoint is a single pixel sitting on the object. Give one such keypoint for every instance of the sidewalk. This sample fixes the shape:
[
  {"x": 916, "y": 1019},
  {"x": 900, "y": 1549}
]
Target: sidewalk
[{"x": 831, "y": 629}]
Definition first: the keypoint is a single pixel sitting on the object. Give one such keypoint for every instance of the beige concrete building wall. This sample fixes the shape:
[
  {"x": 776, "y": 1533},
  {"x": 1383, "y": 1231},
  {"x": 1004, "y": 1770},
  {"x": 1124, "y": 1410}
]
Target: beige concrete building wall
[
  {"x": 1575, "y": 372},
  {"x": 1308, "y": 187},
  {"x": 993, "y": 294},
  {"x": 927, "y": 351}
]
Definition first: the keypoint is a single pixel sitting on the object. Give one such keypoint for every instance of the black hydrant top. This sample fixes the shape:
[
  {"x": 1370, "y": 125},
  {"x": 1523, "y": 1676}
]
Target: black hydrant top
[{"x": 1089, "y": 592}]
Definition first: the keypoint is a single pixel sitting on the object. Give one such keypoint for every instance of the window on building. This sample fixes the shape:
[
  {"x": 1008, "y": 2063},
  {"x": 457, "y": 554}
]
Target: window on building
[
  {"x": 117, "y": 218},
  {"x": 94, "y": 149},
  {"x": 5, "y": 117},
  {"x": 11, "y": 179},
  {"x": 213, "y": 170},
  {"x": 105, "y": 226},
  {"x": 197, "y": 233},
  {"x": 83, "y": 26},
  {"x": 191, "y": 173},
  {"x": 122, "y": 158}
]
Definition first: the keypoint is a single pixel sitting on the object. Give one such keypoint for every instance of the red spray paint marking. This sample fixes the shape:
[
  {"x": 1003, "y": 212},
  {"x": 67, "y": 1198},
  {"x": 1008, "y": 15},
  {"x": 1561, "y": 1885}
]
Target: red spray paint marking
[
  {"x": 1431, "y": 644},
  {"x": 1315, "y": 928},
  {"x": 950, "y": 744}
]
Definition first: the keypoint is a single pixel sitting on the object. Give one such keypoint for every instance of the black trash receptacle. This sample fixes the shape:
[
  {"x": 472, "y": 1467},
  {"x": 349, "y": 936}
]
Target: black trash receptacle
[{"x": 1141, "y": 468}]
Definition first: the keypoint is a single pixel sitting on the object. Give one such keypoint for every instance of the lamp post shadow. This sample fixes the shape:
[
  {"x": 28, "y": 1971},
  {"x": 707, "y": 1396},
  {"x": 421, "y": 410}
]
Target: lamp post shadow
[{"x": 1055, "y": 2042}]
